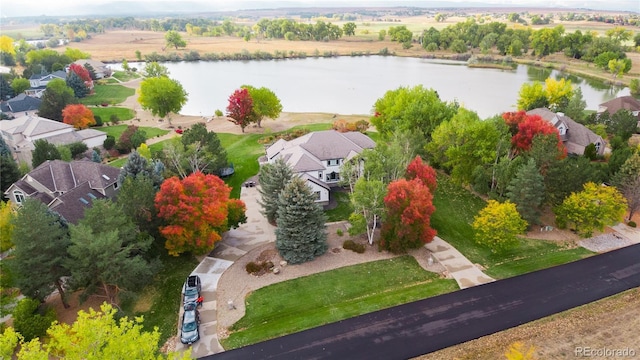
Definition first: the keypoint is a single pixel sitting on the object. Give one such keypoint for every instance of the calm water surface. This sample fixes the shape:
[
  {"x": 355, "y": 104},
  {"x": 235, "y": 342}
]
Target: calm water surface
[{"x": 351, "y": 85}]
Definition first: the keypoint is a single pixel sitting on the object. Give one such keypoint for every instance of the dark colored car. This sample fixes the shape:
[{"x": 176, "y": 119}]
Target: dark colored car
[
  {"x": 191, "y": 289},
  {"x": 190, "y": 326}
]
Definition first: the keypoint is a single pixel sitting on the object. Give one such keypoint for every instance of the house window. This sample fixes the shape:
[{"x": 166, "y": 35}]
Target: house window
[
  {"x": 598, "y": 146},
  {"x": 333, "y": 176},
  {"x": 317, "y": 195},
  {"x": 19, "y": 196},
  {"x": 115, "y": 185},
  {"x": 333, "y": 162},
  {"x": 320, "y": 175}
]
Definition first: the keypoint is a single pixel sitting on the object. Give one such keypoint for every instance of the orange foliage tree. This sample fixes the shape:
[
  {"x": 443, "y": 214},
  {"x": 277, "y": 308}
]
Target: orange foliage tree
[
  {"x": 78, "y": 115},
  {"x": 417, "y": 169},
  {"x": 196, "y": 209},
  {"x": 525, "y": 127},
  {"x": 407, "y": 225}
]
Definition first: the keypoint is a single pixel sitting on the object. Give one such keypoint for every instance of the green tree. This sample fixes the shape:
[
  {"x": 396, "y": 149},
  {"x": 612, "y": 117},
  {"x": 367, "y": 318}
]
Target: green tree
[
  {"x": 569, "y": 175},
  {"x": 388, "y": 160},
  {"x": 382, "y": 34},
  {"x": 203, "y": 150},
  {"x": 458, "y": 46},
  {"x": 162, "y": 96},
  {"x": 616, "y": 67},
  {"x": 43, "y": 151},
  {"x": 414, "y": 109},
  {"x": 463, "y": 143},
  {"x": 576, "y": 106},
  {"x": 623, "y": 124},
  {"x": 619, "y": 34},
  {"x": 7, "y": 213},
  {"x": 136, "y": 199},
  {"x": 367, "y": 199},
  {"x": 78, "y": 86},
  {"x": 40, "y": 239},
  {"x": 98, "y": 335},
  {"x": 498, "y": 225},
  {"x": 300, "y": 235},
  {"x": 19, "y": 85},
  {"x": 273, "y": 178},
  {"x": 138, "y": 166},
  {"x": 265, "y": 103},
  {"x": 153, "y": 69},
  {"x": 56, "y": 97},
  {"x": 558, "y": 93},
  {"x": 526, "y": 190},
  {"x": 31, "y": 320},
  {"x": 591, "y": 209},
  {"x": 349, "y": 28},
  {"x": 6, "y": 90},
  {"x": 634, "y": 85},
  {"x": 546, "y": 41},
  {"x": 627, "y": 180},
  {"x": 106, "y": 253},
  {"x": 9, "y": 172},
  {"x": 173, "y": 38}
]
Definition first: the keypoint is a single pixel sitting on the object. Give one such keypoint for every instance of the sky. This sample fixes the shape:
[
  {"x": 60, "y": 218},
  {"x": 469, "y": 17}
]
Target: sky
[{"x": 10, "y": 8}]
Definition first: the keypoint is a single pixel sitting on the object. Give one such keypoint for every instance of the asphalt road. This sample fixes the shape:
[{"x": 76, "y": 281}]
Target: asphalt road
[{"x": 432, "y": 324}]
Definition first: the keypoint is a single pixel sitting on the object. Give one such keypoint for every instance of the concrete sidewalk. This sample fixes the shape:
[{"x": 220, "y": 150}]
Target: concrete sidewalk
[{"x": 458, "y": 266}]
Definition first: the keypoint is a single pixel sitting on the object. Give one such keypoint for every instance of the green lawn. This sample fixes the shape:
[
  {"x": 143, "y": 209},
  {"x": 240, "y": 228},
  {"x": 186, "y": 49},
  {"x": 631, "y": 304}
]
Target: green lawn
[
  {"x": 110, "y": 94},
  {"x": 243, "y": 151},
  {"x": 344, "y": 208},
  {"x": 331, "y": 296},
  {"x": 118, "y": 162},
  {"x": 117, "y": 130},
  {"x": 455, "y": 209},
  {"x": 125, "y": 76},
  {"x": 105, "y": 113}
]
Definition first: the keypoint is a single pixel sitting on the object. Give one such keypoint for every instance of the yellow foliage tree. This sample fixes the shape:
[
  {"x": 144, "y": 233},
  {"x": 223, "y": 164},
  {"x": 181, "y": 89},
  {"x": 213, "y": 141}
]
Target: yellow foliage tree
[
  {"x": 144, "y": 151},
  {"x": 498, "y": 225},
  {"x": 558, "y": 93},
  {"x": 6, "y": 227},
  {"x": 6, "y": 45}
]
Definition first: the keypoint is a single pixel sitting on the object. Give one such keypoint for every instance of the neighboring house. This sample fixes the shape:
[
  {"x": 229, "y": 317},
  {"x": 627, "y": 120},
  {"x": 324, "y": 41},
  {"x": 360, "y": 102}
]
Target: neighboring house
[
  {"x": 20, "y": 134},
  {"x": 575, "y": 136},
  {"x": 66, "y": 187},
  {"x": 22, "y": 104},
  {"x": 621, "y": 103},
  {"x": 102, "y": 70},
  {"x": 318, "y": 156},
  {"x": 39, "y": 82}
]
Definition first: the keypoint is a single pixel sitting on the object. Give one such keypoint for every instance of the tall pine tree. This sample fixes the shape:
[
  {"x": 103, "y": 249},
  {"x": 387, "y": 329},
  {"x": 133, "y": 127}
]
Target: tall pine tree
[
  {"x": 41, "y": 238},
  {"x": 300, "y": 235},
  {"x": 273, "y": 178},
  {"x": 526, "y": 190}
]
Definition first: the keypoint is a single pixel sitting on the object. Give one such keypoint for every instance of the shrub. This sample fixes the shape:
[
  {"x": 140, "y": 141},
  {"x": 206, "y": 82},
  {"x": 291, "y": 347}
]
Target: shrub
[
  {"x": 353, "y": 246},
  {"x": 259, "y": 268},
  {"x": 339, "y": 232},
  {"x": 98, "y": 120},
  {"x": 109, "y": 142},
  {"x": 632, "y": 224},
  {"x": 77, "y": 148},
  {"x": 31, "y": 320},
  {"x": 218, "y": 113},
  {"x": 253, "y": 268},
  {"x": 114, "y": 119}
]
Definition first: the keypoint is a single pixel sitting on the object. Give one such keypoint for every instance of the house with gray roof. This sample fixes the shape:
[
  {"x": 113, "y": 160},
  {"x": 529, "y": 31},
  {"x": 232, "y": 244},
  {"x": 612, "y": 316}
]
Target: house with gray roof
[
  {"x": 628, "y": 103},
  {"x": 39, "y": 82},
  {"x": 318, "y": 156},
  {"x": 575, "y": 136},
  {"x": 20, "y": 134},
  {"x": 22, "y": 104},
  {"x": 101, "y": 70},
  {"x": 66, "y": 187}
]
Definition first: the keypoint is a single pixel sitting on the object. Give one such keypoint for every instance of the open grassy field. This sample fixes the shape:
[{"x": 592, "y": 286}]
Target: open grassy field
[
  {"x": 110, "y": 94},
  {"x": 106, "y": 113}
]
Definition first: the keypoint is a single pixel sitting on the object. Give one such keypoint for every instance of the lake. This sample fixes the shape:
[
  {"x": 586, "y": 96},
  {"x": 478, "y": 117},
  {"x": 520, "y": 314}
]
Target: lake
[{"x": 351, "y": 85}]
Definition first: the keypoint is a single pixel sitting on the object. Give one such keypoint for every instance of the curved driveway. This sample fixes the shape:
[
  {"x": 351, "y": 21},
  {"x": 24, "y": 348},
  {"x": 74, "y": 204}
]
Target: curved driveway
[{"x": 432, "y": 324}]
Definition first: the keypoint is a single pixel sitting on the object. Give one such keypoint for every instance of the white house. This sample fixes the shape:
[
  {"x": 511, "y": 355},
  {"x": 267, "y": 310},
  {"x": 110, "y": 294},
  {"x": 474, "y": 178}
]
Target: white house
[
  {"x": 100, "y": 68},
  {"x": 20, "y": 134},
  {"x": 39, "y": 82},
  {"x": 318, "y": 156}
]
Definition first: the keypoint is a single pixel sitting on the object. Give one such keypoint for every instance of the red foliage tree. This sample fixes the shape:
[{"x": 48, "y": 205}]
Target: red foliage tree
[
  {"x": 513, "y": 119},
  {"x": 82, "y": 72},
  {"x": 418, "y": 169},
  {"x": 240, "y": 108},
  {"x": 78, "y": 115},
  {"x": 409, "y": 205},
  {"x": 197, "y": 209},
  {"x": 528, "y": 127}
]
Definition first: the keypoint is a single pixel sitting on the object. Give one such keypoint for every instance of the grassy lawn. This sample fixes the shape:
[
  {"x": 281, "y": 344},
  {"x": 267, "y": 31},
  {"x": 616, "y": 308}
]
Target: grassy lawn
[
  {"x": 105, "y": 113},
  {"x": 117, "y": 130},
  {"x": 125, "y": 76},
  {"x": 118, "y": 162},
  {"x": 344, "y": 208},
  {"x": 110, "y": 94},
  {"x": 160, "y": 302},
  {"x": 243, "y": 151},
  {"x": 455, "y": 209},
  {"x": 331, "y": 296}
]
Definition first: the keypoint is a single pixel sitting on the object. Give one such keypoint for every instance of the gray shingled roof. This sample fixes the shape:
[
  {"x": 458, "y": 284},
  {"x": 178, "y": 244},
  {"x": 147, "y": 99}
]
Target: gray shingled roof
[
  {"x": 60, "y": 176},
  {"x": 577, "y": 137},
  {"x": 21, "y": 103},
  {"x": 623, "y": 102},
  {"x": 72, "y": 204}
]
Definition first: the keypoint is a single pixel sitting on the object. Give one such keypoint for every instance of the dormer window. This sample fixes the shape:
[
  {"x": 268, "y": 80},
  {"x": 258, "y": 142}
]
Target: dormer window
[
  {"x": 597, "y": 146},
  {"x": 19, "y": 196}
]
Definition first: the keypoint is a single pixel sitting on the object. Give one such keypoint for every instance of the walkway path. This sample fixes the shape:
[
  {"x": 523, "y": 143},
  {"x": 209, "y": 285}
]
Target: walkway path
[{"x": 458, "y": 266}]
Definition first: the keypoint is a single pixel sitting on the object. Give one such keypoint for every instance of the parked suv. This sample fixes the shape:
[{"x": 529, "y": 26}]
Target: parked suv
[
  {"x": 191, "y": 289},
  {"x": 190, "y": 326}
]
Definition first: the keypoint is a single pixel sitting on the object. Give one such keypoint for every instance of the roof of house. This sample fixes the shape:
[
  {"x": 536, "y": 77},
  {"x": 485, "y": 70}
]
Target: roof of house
[
  {"x": 20, "y": 103},
  {"x": 623, "y": 102},
  {"x": 61, "y": 74},
  {"x": 577, "y": 137},
  {"x": 31, "y": 125},
  {"x": 72, "y": 204},
  {"x": 61, "y": 176},
  {"x": 307, "y": 152},
  {"x": 95, "y": 64},
  {"x": 91, "y": 133}
]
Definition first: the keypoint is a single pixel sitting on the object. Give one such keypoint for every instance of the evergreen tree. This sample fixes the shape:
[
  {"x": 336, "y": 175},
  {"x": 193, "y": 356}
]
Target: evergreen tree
[
  {"x": 95, "y": 156},
  {"x": 575, "y": 107},
  {"x": 106, "y": 252},
  {"x": 526, "y": 190},
  {"x": 273, "y": 178},
  {"x": 44, "y": 151},
  {"x": 4, "y": 148},
  {"x": 78, "y": 86},
  {"x": 91, "y": 70},
  {"x": 300, "y": 235},
  {"x": 627, "y": 180},
  {"x": 137, "y": 165},
  {"x": 136, "y": 198},
  {"x": 6, "y": 92},
  {"x": 41, "y": 238},
  {"x": 9, "y": 172}
]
